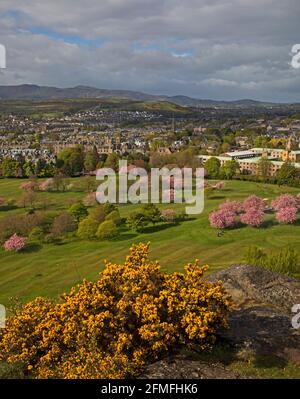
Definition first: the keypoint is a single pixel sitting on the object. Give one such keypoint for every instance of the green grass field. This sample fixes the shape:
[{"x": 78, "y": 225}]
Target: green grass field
[{"x": 51, "y": 269}]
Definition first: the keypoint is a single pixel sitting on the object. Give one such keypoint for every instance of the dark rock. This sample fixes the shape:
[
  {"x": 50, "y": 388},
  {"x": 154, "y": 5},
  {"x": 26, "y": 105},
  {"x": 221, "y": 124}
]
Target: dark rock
[
  {"x": 262, "y": 321},
  {"x": 252, "y": 285},
  {"x": 260, "y": 325}
]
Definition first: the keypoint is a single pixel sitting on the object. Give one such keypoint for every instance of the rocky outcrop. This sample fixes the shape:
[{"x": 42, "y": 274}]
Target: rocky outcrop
[
  {"x": 262, "y": 321},
  {"x": 260, "y": 325}
]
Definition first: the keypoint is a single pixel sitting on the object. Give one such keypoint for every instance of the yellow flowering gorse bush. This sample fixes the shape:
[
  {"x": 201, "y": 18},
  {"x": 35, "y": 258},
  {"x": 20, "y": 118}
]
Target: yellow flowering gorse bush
[{"x": 112, "y": 327}]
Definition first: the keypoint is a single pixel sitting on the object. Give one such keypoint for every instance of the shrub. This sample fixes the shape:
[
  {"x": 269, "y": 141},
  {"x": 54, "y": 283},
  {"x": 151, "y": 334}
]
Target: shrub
[
  {"x": 51, "y": 239},
  {"x": 29, "y": 185},
  {"x": 285, "y": 260},
  {"x": 79, "y": 211},
  {"x": 98, "y": 214},
  {"x": 222, "y": 219},
  {"x": 284, "y": 201},
  {"x": 107, "y": 230},
  {"x": 87, "y": 229},
  {"x": 19, "y": 224},
  {"x": 15, "y": 243},
  {"x": 115, "y": 217},
  {"x": 28, "y": 199},
  {"x": 151, "y": 213},
  {"x": 36, "y": 234},
  {"x": 168, "y": 215},
  {"x": 137, "y": 221},
  {"x": 47, "y": 185},
  {"x": 287, "y": 215},
  {"x": 112, "y": 327},
  {"x": 254, "y": 202},
  {"x": 220, "y": 185},
  {"x": 231, "y": 206},
  {"x": 62, "y": 224},
  {"x": 108, "y": 208},
  {"x": 253, "y": 217}
]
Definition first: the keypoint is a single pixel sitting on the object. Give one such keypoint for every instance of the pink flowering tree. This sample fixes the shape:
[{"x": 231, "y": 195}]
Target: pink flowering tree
[
  {"x": 254, "y": 202},
  {"x": 15, "y": 243},
  {"x": 222, "y": 219},
  {"x": 168, "y": 215},
  {"x": 28, "y": 186},
  {"x": 284, "y": 201},
  {"x": 253, "y": 217},
  {"x": 47, "y": 185},
  {"x": 231, "y": 206},
  {"x": 287, "y": 215},
  {"x": 220, "y": 185}
]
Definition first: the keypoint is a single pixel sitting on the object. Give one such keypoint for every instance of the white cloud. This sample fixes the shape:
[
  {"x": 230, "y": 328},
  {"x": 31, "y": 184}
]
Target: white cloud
[{"x": 204, "y": 48}]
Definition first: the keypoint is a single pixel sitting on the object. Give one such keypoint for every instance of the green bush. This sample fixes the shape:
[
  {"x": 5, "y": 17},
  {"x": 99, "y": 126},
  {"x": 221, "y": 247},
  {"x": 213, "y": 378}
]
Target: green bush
[
  {"x": 78, "y": 211},
  {"x": 284, "y": 261},
  {"x": 108, "y": 208},
  {"x": 87, "y": 228},
  {"x": 115, "y": 217},
  {"x": 107, "y": 230},
  {"x": 137, "y": 221}
]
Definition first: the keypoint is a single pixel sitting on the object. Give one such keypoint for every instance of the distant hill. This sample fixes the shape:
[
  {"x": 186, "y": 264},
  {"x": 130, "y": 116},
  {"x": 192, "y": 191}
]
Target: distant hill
[{"x": 35, "y": 92}]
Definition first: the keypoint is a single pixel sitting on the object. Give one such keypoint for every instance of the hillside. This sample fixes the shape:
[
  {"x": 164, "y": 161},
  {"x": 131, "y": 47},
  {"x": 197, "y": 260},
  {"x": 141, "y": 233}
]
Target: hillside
[{"x": 35, "y": 92}]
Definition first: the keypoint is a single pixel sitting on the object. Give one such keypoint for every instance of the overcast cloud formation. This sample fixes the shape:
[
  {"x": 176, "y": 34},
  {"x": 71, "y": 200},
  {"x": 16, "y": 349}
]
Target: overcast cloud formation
[{"x": 218, "y": 49}]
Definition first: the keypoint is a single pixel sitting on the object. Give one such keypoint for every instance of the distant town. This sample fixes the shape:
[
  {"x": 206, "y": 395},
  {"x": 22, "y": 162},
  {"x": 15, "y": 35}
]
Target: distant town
[{"x": 145, "y": 131}]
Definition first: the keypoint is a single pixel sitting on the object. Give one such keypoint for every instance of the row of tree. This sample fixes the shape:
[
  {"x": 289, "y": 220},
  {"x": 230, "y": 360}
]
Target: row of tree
[{"x": 288, "y": 174}]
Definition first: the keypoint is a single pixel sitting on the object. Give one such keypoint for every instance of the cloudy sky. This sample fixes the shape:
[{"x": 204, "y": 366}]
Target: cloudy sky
[{"x": 218, "y": 49}]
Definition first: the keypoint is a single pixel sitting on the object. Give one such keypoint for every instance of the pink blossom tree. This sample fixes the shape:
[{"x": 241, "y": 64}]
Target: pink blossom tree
[
  {"x": 168, "y": 215},
  {"x": 220, "y": 185},
  {"x": 28, "y": 186},
  {"x": 231, "y": 206},
  {"x": 15, "y": 243},
  {"x": 254, "y": 202},
  {"x": 287, "y": 215},
  {"x": 47, "y": 185},
  {"x": 253, "y": 217},
  {"x": 284, "y": 201},
  {"x": 222, "y": 219}
]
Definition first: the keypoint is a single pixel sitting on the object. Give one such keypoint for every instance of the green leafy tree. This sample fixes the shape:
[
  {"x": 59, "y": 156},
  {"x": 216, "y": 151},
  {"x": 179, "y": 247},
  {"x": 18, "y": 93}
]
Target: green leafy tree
[
  {"x": 229, "y": 169},
  {"x": 91, "y": 160},
  {"x": 151, "y": 213},
  {"x": 264, "y": 167},
  {"x": 87, "y": 229},
  {"x": 212, "y": 167},
  {"x": 78, "y": 211},
  {"x": 108, "y": 208},
  {"x": 286, "y": 174},
  {"x": 115, "y": 217},
  {"x": 137, "y": 221},
  {"x": 71, "y": 160},
  {"x": 112, "y": 161},
  {"x": 107, "y": 230}
]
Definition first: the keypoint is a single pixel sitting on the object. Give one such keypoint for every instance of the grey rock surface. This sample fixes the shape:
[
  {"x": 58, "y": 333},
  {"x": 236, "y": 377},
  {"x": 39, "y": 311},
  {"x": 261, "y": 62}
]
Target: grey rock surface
[{"x": 260, "y": 325}]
